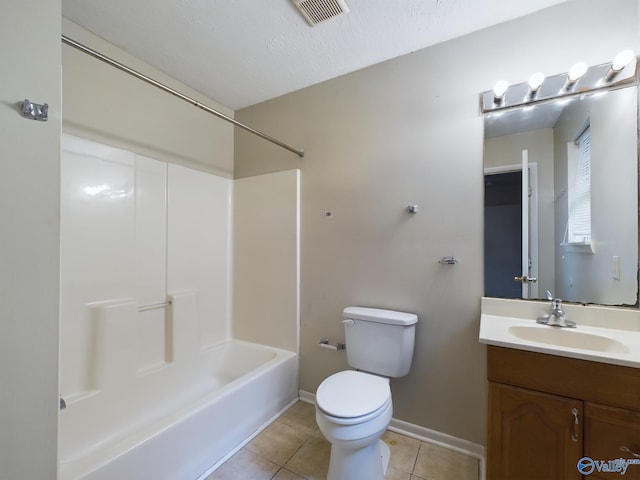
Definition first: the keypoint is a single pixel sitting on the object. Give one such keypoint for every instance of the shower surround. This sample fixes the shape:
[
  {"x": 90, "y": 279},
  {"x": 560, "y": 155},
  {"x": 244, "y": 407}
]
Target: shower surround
[{"x": 153, "y": 382}]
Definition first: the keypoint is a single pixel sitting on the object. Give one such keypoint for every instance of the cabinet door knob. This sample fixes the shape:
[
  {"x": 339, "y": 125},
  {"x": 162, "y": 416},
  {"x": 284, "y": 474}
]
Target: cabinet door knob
[{"x": 576, "y": 425}]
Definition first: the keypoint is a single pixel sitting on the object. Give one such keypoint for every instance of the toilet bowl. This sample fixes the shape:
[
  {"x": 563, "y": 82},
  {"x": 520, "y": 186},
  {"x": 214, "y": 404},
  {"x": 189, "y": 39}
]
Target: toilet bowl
[{"x": 353, "y": 410}]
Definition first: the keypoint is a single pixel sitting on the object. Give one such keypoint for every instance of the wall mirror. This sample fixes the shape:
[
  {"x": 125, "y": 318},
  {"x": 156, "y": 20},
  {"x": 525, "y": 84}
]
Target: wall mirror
[{"x": 561, "y": 199}]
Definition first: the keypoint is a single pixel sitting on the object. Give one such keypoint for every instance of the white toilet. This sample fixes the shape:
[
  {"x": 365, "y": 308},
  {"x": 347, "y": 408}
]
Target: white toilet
[{"x": 353, "y": 408}]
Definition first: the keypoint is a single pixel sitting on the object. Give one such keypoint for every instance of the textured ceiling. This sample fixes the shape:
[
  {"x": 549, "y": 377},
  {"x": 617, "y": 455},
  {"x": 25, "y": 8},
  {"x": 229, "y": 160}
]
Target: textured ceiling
[{"x": 243, "y": 52}]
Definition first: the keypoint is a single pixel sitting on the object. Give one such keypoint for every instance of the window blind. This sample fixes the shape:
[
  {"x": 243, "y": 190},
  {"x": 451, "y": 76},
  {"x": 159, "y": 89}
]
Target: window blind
[{"x": 579, "y": 225}]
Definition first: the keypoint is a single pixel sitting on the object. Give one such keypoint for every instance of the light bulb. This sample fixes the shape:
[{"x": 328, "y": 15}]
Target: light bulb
[
  {"x": 500, "y": 88},
  {"x": 577, "y": 71},
  {"x": 535, "y": 81},
  {"x": 622, "y": 59}
]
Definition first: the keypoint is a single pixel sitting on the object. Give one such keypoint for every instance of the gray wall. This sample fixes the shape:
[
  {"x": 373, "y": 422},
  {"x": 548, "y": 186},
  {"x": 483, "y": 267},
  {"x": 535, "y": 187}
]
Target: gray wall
[
  {"x": 30, "y": 219},
  {"x": 408, "y": 131},
  {"x": 104, "y": 104}
]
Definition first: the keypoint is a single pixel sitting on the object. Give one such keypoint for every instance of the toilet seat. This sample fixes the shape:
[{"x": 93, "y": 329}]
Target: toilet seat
[{"x": 353, "y": 397}]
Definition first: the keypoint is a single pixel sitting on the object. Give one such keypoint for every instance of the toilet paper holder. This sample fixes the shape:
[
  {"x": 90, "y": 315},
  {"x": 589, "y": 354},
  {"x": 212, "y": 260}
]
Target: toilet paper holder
[{"x": 324, "y": 343}]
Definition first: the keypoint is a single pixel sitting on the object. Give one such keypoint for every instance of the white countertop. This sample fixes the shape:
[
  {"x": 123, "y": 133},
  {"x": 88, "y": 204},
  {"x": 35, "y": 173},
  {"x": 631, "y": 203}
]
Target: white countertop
[{"x": 607, "y": 335}]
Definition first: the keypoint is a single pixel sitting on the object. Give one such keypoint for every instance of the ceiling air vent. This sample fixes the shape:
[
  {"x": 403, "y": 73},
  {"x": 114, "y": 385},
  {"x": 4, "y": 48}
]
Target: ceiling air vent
[{"x": 316, "y": 11}]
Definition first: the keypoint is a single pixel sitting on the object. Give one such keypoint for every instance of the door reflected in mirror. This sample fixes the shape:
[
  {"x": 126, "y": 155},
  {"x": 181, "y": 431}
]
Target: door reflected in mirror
[{"x": 570, "y": 223}]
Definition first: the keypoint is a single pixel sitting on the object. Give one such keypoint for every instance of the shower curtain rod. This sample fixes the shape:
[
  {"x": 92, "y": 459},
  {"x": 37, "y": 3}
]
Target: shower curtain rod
[{"x": 182, "y": 96}]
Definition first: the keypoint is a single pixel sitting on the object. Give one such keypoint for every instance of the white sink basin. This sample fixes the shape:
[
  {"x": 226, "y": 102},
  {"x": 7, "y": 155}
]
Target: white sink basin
[
  {"x": 565, "y": 337},
  {"x": 609, "y": 345}
]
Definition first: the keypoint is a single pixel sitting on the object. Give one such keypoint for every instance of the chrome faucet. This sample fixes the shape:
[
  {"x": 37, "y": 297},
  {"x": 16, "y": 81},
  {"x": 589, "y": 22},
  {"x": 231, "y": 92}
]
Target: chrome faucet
[{"x": 556, "y": 316}]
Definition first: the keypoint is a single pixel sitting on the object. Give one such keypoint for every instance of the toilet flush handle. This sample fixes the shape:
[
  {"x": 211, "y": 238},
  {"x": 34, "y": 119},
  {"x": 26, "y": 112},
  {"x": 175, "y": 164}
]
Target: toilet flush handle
[{"x": 349, "y": 322}]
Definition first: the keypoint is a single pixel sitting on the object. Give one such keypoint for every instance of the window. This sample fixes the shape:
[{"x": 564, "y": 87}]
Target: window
[{"x": 579, "y": 191}]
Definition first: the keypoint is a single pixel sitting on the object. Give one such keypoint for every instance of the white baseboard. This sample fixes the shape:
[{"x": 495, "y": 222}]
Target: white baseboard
[
  {"x": 426, "y": 435},
  {"x": 307, "y": 397}
]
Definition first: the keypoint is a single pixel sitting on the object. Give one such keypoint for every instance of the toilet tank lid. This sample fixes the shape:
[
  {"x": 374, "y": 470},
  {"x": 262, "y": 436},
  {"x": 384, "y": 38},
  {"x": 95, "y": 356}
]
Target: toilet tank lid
[{"x": 379, "y": 315}]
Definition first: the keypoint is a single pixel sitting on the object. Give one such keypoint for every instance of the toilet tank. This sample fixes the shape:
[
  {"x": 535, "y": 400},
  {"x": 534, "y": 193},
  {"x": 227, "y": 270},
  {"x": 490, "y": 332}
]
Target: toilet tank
[{"x": 379, "y": 341}]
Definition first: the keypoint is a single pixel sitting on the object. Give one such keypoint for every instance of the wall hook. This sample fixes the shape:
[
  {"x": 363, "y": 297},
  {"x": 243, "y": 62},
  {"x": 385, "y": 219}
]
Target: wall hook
[
  {"x": 34, "y": 111},
  {"x": 448, "y": 260},
  {"x": 412, "y": 209}
]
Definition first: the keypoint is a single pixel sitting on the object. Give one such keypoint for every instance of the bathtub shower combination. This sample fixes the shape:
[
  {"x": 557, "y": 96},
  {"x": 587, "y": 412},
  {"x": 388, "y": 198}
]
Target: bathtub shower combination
[
  {"x": 177, "y": 423},
  {"x": 151, "y": 383}
]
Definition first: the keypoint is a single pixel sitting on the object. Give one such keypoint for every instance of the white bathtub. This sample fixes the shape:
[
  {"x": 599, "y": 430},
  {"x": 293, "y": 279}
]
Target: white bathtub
[{"x": 176, "y": 423}]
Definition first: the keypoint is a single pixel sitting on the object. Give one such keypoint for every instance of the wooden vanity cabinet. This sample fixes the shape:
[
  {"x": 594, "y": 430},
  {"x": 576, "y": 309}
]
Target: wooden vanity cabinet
[
  {"x": 546, "y": 412},
  {"x": 612, "y": 433},
  {"x": 531, "y": 435}
]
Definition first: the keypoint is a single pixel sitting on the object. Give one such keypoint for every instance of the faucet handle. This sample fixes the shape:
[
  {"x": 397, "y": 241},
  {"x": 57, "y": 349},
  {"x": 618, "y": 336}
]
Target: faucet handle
[{"x": 556, "y": 315}]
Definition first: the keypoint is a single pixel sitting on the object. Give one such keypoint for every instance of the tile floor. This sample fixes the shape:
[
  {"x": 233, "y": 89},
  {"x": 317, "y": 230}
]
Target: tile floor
[{"x": 292, "y": 448}]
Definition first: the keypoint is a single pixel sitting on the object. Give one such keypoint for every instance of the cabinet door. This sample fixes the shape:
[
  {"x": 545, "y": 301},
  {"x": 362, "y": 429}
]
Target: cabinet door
[
  {"x": 532, "y": 435},
  {"x": 612, "y": 437}
]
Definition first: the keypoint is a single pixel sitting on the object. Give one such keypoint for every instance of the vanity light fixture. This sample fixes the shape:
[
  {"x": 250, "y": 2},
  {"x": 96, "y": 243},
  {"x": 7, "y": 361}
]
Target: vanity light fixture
[
  {"x": 499, "y": 89},
  {"x": 565, "y": 101},
  {"x": 575, "y": 73},
  {"x": 535, "y": 82},
  {"x": 580, "y": 80},
  {"x": 620, "y": 61}
]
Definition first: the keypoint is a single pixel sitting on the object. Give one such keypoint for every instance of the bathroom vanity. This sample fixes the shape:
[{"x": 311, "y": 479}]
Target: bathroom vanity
[
  {"x": 547, "y": 412},
  {"x": 562, "y": 403}
]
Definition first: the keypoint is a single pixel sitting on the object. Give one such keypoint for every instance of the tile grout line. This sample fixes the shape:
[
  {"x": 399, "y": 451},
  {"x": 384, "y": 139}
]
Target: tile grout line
[
  {"x": 415, "y": 461},
  {"x": 298, "y": 449},
  {"x": 294, "y": 453},
  {"x": 304, "y": 430},
  {"x": 282, "y": 467}
]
